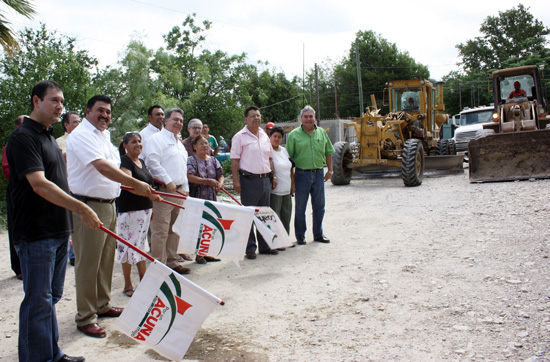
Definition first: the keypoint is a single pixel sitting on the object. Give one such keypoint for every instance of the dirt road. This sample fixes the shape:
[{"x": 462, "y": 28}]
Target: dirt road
[{"x": 448, "y": 271}]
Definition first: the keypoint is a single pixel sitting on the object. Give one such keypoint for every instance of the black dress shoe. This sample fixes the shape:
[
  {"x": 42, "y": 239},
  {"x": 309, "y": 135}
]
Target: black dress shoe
[
  {"x": 66, "y": 358},
  {"x": 71, "y": 261},
  {"x": 211, "y": 259},
  {"x": 322, "y": 239},
  {"x": 269, "y": 252},
  {"x": 301, "y": 242},
  {"x": 251, "y": 256}
]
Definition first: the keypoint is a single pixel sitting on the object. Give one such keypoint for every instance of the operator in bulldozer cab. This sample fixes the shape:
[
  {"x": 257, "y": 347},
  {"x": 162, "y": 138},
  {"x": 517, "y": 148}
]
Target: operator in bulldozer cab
[
  {"x": 410, "y": 106},
  {"x": 517, "y": 92}
]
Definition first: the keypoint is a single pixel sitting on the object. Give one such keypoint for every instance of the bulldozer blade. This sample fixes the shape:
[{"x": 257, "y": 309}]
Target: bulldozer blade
[
  {"x": 510, "y": 156},
  {"x": 450, "y": 162}
]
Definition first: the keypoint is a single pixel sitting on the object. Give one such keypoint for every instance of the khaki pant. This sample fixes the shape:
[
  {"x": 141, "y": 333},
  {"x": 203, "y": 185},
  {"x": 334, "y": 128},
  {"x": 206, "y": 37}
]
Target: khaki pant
[
  {"x": 94, "y": 264},
  {"x": 164, "y": 242}
]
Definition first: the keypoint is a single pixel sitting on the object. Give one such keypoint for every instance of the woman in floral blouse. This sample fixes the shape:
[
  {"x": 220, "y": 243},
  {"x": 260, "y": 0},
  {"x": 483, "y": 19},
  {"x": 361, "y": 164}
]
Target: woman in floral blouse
[{"x": 205, "y": 176}]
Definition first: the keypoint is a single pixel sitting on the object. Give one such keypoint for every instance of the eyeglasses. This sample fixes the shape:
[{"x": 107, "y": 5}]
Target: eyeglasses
[{"x": 196, "y": 127}]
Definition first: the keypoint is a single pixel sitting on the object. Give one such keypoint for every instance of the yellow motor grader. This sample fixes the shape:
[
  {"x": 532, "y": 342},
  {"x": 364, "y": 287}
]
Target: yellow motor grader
[
  {"x": 516, "y": 146},
  {"x": 407, "y": 138}
]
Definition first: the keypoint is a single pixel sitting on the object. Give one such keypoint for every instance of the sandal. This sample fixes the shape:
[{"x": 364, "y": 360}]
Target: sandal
[{"x": 128, "y": 292}]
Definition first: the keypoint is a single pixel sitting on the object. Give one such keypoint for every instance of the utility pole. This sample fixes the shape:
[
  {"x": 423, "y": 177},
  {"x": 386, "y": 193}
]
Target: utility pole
[
  {"x": 304, "y": 75},
  {"x": 317, "y": 92},
  {"x": 336, "y": 96},
  {"x": 460, "y": 97},
  {"x": 310, "y": 92},
  {"x": 359, "y": 82}
]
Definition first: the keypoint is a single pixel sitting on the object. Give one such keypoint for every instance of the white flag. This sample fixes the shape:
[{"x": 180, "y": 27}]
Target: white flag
[
  {"x": 272, "y": 229},
  {"x": 213, "y": 228},
  {"x": 166, "y": 311}
]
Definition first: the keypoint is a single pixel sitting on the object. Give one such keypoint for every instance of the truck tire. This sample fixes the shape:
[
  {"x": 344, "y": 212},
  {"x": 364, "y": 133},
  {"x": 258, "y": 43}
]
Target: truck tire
[
  {"x": 442, "y": 147},
  {"x": 341, "y": 158},
  {"x": 483, "y": 133},
  {"x": 452, "y": 147},
  {"x": 412, "y": 163}
]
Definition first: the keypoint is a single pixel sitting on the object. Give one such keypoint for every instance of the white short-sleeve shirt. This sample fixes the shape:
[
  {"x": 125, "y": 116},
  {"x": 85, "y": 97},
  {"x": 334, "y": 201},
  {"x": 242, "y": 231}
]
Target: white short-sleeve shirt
[
  {"x": 282, "y": 166},
  {"x": 85, "y": 145}
]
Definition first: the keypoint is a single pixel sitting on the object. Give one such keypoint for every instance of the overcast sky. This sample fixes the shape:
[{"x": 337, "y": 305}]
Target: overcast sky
[{"x": 279, "y": 31}]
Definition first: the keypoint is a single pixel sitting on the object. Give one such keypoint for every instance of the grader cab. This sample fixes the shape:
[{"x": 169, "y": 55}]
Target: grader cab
[{"x": 405, "y": 138}]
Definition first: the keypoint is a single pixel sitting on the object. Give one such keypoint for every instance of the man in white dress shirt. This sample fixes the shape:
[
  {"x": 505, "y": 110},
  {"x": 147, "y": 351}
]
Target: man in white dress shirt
[
  {"x": 155, "y": 113},
  {"x": 94, "y": 178},
  {"x": 166, "y": 159}
]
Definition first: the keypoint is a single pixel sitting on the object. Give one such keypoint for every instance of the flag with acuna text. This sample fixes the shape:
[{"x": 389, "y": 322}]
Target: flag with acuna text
[
  {"x": 166, "y": 311},
  {"x": 272, "y": 229},
  {"x": 214, "y": 229}
]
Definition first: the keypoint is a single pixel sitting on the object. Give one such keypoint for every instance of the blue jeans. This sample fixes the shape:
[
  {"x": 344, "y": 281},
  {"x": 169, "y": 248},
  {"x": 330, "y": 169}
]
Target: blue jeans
[
  {"x": 307, "y": 183},
  {"x": 43, "y": 264}
]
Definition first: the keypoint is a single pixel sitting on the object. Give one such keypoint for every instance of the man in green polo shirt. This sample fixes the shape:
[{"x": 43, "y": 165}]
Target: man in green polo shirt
[{"x": 310, "y": 148}]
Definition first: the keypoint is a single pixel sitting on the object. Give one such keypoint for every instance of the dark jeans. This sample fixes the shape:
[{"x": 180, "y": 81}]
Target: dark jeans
[
  {"x": 255, "y": 192},
  {"x": 43, "y": 265},
  {"x": 307, "y": 183},
  {"x": 14, "y": 259}
]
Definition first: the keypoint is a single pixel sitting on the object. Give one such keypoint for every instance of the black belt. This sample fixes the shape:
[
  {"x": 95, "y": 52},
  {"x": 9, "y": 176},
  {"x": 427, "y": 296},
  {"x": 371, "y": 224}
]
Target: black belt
[
  {"x": 247, "y": 174},
  {"x": 311, "y": 170},
  {"x": 85, "y": 199}
]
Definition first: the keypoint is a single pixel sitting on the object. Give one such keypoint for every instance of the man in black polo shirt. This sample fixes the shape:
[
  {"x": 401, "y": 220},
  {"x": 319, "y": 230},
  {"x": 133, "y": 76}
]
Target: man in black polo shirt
[{"x": 39, "y": 222}]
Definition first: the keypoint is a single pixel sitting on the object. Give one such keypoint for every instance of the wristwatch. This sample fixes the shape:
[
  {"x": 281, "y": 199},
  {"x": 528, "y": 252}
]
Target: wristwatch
[{"x": 330, "y": 172}]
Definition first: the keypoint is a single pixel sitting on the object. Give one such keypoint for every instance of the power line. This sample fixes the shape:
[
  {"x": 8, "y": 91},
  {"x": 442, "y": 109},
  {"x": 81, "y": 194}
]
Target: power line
[{"x": 286, "y": 100}]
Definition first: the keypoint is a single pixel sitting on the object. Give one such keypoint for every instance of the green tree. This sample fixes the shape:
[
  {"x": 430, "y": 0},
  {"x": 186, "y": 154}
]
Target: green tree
[
  {"x": 212, "y": 85},
  {"x": 131, "y": 88},
  {"x": 22, "y": 7},
  {"x": 42, "y": 55},
  {"x": 465, "y": 90},
  {"x": 506, "y": 40},
  {"x": 380, "y": 62},
  {"x": 278, "y": 98}
]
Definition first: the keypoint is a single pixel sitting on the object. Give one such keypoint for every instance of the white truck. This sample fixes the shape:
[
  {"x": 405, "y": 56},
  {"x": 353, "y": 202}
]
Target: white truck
[{"x": 471, "y": 121}]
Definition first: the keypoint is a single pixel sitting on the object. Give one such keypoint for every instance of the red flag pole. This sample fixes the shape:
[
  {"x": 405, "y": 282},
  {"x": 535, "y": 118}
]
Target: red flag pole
[
  {"x": 234, "y": 199},
  {"x": 128, "y": 244},
  {"x": 163, "y": 184},
  {"x": 167, "y": 194},
  {"x": 173, "y": 204}
]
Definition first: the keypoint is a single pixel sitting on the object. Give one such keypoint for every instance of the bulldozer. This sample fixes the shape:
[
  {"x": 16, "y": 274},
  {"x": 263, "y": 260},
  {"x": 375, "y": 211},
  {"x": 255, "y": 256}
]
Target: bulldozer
[
  {"x": 408, "y": 138},
  {"x": 516, "y": 145}
]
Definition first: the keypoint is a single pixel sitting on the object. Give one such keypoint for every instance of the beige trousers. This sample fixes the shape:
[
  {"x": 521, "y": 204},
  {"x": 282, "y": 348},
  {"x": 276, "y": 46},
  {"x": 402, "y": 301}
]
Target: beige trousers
[
  {"x": 94, "y": 264},
  {"x": 164, "y": 242}
]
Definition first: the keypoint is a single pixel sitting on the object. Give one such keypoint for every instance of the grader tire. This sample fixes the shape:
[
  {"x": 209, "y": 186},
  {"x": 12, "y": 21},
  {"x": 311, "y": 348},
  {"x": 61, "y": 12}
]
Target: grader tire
[
  {"x": 341, "y": 158},
  {"x": 412, "y": 163},
  {"x": 452, "y": 147},
  {"x": 442, "y": 147}
]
